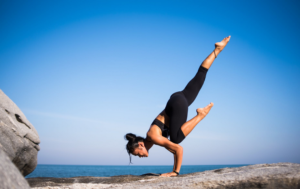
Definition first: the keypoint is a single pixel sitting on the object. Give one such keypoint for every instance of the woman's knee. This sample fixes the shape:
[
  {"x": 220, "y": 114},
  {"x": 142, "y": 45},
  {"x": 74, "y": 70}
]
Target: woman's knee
[{"x": 178, "y": 138}]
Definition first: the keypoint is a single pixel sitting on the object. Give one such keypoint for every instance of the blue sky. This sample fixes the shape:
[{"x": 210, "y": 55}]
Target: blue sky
[{"x": 85, "y": 73}]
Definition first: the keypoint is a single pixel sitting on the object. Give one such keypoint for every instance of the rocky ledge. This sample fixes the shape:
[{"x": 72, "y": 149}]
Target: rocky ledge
[{"x": 270, "y": 176}]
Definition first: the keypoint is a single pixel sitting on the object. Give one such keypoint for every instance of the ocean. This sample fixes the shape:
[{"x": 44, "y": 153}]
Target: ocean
[{"x": 65, "y": 171}]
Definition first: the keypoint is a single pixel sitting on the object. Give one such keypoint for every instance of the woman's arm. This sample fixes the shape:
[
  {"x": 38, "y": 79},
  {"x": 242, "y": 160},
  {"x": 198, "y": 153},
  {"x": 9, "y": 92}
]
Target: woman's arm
[
  {"x": 174, "y": 167},
  {"x": 176, "y": 149}
]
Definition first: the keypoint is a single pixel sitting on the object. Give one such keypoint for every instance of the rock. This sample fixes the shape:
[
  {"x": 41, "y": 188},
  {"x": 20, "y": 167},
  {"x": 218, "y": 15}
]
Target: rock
[
  {"x": 266, "y": 176},
  {"x": 19, "y": 139},
  {"x": 10, "y": 176}
]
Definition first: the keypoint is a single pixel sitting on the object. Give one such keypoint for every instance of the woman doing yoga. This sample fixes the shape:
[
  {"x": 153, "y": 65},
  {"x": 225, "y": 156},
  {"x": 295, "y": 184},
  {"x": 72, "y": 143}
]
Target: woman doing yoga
[{"x": 172, "y": 121}]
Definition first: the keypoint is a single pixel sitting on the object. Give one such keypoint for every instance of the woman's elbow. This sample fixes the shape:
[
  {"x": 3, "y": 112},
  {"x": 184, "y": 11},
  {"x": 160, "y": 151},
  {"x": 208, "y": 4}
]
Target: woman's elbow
[{"x": 179, "y": 149}]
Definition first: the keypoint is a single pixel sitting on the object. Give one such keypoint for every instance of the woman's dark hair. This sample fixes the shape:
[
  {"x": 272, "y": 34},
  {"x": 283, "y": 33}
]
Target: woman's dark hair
[{"x": 132, "y": 142}]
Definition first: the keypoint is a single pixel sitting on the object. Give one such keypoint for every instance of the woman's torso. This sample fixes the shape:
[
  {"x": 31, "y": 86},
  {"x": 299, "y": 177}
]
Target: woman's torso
[{"x": 155, "y": 129}]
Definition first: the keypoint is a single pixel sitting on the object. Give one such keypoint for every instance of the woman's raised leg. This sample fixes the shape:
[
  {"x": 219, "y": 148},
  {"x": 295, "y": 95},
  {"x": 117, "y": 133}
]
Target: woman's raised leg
[{"x": 192, "y": 89}]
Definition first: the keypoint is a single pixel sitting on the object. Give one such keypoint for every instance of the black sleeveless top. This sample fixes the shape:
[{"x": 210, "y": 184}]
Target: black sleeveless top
[{"x": 164, "y": 129}]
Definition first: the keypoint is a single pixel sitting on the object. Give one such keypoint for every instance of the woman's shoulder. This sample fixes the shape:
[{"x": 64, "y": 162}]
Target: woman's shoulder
[{"x": 153, "y": 132}]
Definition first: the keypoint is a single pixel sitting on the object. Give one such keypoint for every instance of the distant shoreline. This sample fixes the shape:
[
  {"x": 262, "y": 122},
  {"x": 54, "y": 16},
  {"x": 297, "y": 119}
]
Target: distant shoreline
[{"x": 68, "y": 171}]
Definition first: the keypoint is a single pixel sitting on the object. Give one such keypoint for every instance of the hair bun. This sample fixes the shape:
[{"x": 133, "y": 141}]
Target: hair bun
[{"x": 130, "y": 137}]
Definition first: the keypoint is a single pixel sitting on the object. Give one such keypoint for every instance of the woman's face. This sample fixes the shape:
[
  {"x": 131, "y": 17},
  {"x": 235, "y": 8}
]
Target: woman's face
[{"x": 140, "y": 151}]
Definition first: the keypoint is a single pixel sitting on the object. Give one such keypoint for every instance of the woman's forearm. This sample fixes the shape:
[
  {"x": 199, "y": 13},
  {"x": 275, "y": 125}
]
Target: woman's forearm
[
  {"x": 178, "y": 159},
  {"x": 174, "y": 167}
]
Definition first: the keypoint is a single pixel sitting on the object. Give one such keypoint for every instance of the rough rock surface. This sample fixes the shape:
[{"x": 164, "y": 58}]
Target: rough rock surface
[
  {"x": 19, "y": 139},
  {"x": 268, "y": 176},
  {"x": 10, "y": 176}
]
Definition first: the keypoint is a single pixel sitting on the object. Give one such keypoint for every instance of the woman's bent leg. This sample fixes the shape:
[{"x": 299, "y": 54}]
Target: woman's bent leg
[
  {"x": 188, "y": 126},
  {"x": 177, "y": 110}
]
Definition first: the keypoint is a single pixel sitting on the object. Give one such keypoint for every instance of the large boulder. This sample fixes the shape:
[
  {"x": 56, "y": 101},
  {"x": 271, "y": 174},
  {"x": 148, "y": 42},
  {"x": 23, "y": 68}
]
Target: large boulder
[
  {"x": 10, "y": 176},
  {"x": 18, "y": 137}
]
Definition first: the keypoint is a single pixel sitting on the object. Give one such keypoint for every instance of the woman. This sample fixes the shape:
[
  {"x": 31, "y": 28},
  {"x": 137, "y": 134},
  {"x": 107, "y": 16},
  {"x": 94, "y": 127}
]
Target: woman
[{"x": 172, "y": 120}]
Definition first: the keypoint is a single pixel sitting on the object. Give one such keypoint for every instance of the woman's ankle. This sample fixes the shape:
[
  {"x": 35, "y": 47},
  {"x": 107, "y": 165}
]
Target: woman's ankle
[{"x": 217, "y": 51}]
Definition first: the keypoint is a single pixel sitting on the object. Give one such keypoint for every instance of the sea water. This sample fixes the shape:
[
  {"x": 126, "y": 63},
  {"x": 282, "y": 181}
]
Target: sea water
[{"x": 64, "y": 171}]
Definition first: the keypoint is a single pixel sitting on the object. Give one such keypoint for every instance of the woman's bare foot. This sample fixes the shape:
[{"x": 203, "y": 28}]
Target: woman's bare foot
[
  {"x": 202, "y": 112},
  {"x": 220, "y": 45}
]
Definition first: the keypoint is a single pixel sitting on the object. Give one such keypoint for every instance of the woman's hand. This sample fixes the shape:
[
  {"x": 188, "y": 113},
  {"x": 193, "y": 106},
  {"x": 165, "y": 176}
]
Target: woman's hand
[
  {"x": 171, "y": 174},
  {"x": 176, "y": 149}
]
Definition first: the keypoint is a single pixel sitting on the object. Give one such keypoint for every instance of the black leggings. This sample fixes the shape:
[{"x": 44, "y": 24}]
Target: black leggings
[{"x": 177, "y": 106}]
